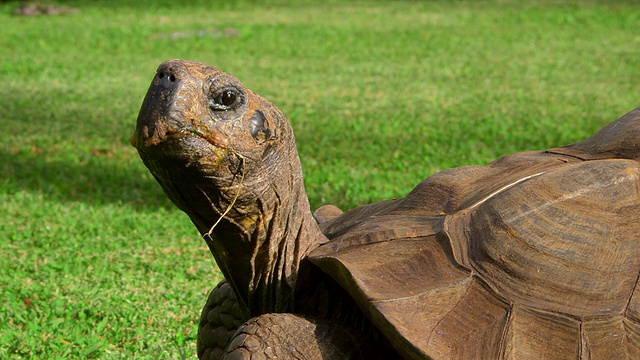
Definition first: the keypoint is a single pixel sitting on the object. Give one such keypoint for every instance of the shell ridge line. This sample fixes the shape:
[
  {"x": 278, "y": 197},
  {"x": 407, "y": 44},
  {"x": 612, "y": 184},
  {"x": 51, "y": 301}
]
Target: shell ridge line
[
  {"x": 626, "y": 307},
  {"x": 466, "y": 291},
  {"x": 462, "y": 280},
  {"x": 569, "y": 196},
  {"x": 362, "y": 238},
  {"x": 505, "y": 187},
  {"x": 505, "y": 333},
  {"x": 583, "y": 341}
]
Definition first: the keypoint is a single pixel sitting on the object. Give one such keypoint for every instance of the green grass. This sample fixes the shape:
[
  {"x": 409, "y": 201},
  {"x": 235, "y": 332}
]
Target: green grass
[{"x": 96, "y": 263}]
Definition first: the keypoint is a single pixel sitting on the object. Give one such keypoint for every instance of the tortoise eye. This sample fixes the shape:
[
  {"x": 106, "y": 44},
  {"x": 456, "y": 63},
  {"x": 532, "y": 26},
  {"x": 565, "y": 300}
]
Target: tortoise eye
[{"x": 227, "y": 99}]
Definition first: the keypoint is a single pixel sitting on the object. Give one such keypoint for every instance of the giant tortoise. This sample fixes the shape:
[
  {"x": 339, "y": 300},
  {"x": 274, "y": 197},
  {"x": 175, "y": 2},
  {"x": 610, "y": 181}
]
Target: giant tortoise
[{"x": 533, "y": 256}]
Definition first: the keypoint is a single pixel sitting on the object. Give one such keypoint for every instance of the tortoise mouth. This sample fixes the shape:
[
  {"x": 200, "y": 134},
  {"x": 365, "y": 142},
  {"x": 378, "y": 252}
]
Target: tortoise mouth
[{"x": 177, "y": 153}]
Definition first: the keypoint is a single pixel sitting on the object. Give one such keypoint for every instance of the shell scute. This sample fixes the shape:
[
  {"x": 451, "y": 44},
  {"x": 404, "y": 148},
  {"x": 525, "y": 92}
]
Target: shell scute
[{"x": 561, "y": 241}]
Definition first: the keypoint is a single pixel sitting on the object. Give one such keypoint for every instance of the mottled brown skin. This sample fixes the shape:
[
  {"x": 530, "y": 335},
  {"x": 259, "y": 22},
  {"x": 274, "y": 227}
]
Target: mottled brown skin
[{"x": 534, "y": 256}]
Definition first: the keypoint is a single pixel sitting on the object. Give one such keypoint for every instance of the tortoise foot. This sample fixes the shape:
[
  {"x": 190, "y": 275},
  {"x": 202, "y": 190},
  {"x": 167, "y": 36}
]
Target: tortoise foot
[
  {"x": 289, "y": 336},
  {"x": 221, "y": 316}
]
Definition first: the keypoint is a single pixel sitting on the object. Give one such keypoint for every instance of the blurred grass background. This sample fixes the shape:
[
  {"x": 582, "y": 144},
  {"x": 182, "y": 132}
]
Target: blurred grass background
[{"x": 94, "y": 260}]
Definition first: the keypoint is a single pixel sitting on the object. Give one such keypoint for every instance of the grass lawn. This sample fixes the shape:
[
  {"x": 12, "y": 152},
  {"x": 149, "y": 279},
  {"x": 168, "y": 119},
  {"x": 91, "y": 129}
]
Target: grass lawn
[{"x": 95, "y": 262}]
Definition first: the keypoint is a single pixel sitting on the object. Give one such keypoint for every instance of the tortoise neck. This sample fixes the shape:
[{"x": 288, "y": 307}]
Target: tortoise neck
[
  {"x": 279, "y": 256},
  {"x": 262, "y": 244}
]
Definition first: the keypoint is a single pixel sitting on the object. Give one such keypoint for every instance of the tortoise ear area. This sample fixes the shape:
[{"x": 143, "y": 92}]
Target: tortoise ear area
[{"x": 259, "y": 127}]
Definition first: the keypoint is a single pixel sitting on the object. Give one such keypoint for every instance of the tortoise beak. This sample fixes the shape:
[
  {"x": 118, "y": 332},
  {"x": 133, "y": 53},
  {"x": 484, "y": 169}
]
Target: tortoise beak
[{"x": 162, "y": 113}]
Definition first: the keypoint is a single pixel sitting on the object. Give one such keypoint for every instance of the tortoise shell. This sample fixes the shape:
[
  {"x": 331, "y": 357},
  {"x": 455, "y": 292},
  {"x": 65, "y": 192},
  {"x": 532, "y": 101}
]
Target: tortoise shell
[{"x": 535, "y": 255}]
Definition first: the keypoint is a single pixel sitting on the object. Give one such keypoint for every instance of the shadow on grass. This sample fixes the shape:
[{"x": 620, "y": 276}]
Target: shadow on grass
[{"x": 97, "y": 181}]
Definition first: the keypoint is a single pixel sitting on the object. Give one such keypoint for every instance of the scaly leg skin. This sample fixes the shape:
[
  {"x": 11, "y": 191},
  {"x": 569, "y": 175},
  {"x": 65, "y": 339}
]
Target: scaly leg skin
[
  {"x": 289, "y": 336},
  {"x": 221, "y": 317}
]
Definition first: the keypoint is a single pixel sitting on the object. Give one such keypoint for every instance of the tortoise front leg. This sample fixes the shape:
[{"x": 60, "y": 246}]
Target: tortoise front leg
[
  {"x": 221, "y": 316},
  {"x": 290, "y": 336}
]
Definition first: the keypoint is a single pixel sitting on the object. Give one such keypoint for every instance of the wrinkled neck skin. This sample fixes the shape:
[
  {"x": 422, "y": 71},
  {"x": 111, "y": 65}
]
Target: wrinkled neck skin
[{"x": 261, "y": 244}]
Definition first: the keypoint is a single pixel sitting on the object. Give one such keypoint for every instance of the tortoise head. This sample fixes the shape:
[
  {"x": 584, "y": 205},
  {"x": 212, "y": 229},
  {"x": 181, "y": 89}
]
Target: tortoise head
[
  {"x": 227, "y": 158},
  {"x": 203, "y": 135}
]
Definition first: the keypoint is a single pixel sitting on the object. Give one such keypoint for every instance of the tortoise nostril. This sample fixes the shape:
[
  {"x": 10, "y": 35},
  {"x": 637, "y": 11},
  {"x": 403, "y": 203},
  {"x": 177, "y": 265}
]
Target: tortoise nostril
[{"x": 169, "y": 76}]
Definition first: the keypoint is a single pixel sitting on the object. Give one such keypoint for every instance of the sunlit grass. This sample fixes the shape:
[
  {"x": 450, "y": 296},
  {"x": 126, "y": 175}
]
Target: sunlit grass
[{"x": 95, "y": 260}]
